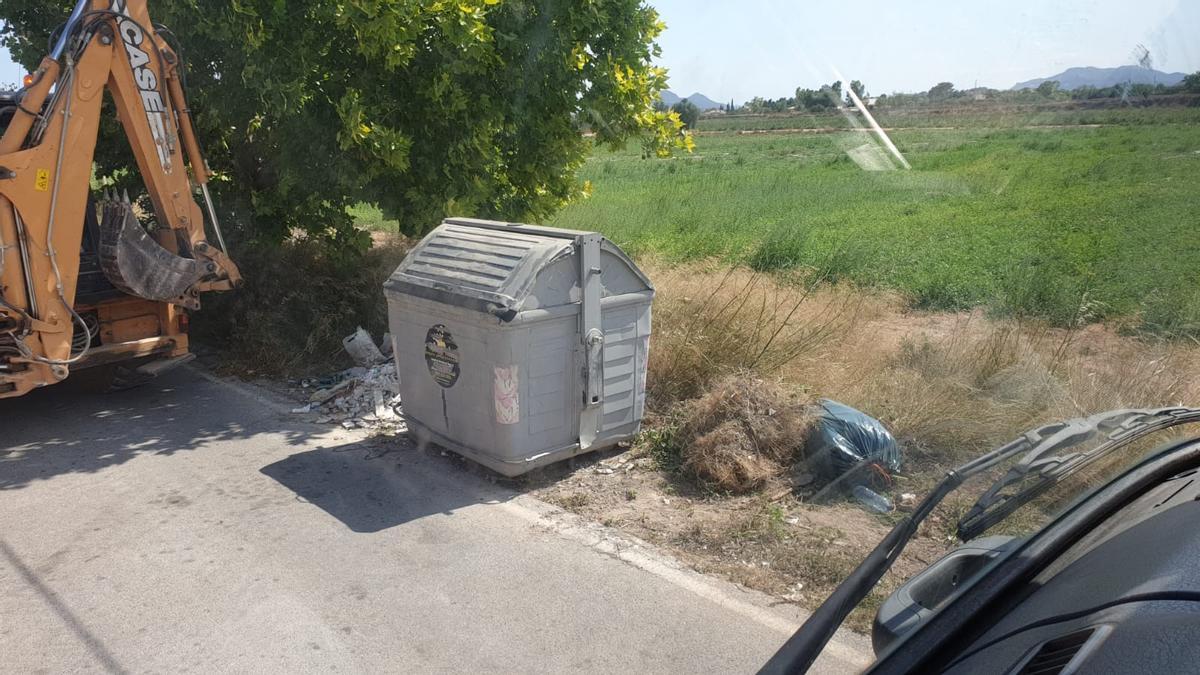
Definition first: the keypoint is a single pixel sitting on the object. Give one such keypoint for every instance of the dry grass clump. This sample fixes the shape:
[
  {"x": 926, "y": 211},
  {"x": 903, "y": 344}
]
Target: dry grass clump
[
  {"x": 948, "y": 385},
  {"x": 953, "y": 391},
  {"x": 743, "y": 433},
  {"x": 712, "y": 320},
  {"x": 946, "y": 397}
]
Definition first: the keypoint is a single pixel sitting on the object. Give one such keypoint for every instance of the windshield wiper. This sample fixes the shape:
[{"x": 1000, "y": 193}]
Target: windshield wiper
[
  {"x": 1120, "y": 426},
  {"x": 1046, "y": 465}
]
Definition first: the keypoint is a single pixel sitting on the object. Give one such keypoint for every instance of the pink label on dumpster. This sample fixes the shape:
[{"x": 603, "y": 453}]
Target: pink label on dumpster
[{"x": 506, "y": 388}]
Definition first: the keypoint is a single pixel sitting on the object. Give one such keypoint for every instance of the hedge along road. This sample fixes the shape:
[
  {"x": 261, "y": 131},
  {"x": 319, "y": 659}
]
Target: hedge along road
[{"x": 194, "y": 525}]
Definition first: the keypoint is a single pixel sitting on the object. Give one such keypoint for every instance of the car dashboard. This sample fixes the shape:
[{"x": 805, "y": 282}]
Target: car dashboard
[{"x": 1125, "y": 598}]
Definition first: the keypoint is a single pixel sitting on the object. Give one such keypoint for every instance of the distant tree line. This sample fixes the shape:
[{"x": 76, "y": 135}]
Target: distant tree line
[
  {"x": 831, "y": 96},
  {"x": 824, "y": 98},
  {"x": 1050, "y": 90}
]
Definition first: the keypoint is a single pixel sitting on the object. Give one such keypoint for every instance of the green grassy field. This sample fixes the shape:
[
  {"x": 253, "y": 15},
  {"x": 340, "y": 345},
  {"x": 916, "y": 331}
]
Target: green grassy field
[
  {"x": 1072, "y": 224},
  {"x": 978, "y": 115}
]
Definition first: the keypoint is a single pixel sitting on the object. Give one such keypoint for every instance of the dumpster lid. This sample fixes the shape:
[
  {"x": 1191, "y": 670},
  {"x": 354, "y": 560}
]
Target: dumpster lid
[{"x": 483, "y": 265}]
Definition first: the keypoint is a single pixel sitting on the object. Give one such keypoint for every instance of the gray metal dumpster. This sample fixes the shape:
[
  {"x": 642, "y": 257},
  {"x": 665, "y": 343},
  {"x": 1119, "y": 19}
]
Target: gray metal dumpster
[{"x": 517, "y": 345}]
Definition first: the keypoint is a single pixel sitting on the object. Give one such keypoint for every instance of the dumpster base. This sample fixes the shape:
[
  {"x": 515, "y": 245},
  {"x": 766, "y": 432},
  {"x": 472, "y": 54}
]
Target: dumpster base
[{"x": 510, "y": 468}]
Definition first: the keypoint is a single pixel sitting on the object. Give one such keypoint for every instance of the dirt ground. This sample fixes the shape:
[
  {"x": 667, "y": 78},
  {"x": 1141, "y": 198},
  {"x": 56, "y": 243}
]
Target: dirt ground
[{"x": 773, "y": 542}]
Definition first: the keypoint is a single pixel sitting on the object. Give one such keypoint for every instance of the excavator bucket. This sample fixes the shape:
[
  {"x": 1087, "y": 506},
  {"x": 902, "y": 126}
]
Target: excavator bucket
[{"x": 138, "y": 265}]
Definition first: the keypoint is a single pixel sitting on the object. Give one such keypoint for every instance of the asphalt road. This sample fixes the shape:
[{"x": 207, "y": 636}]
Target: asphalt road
[{"x": 194, "y": 526}]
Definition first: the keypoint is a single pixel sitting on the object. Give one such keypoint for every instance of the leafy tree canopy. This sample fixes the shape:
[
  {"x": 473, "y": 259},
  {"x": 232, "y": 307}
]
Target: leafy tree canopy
[
  {"x": 688, "y": 113},
  {"x": 1048, "y": 88},
  {"x": 941, "y": 91},
  {"x": 827, "y": 97},
  {"x": 424, "y": 107},
  {"x": 1192, "y": 82},
  {"x": 859, "y": 89}
]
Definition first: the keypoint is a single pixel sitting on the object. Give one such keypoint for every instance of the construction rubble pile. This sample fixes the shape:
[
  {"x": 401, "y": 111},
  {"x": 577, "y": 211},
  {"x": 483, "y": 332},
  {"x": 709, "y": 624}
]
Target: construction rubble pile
[{"x": 366, "y": 396}]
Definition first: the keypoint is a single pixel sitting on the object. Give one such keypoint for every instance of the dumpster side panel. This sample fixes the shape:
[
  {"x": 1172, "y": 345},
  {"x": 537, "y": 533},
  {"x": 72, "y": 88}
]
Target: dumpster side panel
[
  {"x": 626, "y": 351},
  {"x": 514, "y": 395},
  {"x": 552, "y": 386},
  {"x": 441, "y": 385},
  {"x": 529, "y": 406}
]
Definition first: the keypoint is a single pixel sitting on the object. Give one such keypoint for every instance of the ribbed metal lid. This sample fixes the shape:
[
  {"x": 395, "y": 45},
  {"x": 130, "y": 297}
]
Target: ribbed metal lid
[{"x": 486, "y": 266}]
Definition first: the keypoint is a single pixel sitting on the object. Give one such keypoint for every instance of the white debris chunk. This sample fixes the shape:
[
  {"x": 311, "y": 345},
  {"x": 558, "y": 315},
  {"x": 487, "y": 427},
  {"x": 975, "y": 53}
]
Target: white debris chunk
[
  {"x": 361, "y": 347},
  {"x": 363, "y": 397},
  {"x": 384, "y": 410},
  {"x": 327, "y": 394}
]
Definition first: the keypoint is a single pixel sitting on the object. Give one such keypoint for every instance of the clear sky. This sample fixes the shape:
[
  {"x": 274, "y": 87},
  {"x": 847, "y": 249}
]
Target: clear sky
[
  {"x": 744, "y": 48},
  {"x": 10, "y": 73},
  {"x": 738, "y": 49}
]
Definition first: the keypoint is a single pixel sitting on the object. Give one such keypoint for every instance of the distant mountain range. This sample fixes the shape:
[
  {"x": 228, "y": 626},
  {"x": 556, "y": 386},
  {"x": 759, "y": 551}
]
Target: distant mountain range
[
  {"x": 702, "y": 102},
  {"x": 1073, "y": 78}
]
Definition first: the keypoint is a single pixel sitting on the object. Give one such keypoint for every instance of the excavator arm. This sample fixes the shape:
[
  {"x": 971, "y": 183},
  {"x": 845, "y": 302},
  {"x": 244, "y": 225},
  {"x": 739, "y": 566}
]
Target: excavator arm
[{"x": 46, "y": 158}]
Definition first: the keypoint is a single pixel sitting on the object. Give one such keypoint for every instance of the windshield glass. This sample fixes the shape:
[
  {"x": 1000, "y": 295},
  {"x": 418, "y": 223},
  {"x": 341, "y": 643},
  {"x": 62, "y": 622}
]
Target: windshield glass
[
  {"x": 1047, "y": 479},
  {"x": 738, "y": 282},
  {"x": 905, "y": 235}
]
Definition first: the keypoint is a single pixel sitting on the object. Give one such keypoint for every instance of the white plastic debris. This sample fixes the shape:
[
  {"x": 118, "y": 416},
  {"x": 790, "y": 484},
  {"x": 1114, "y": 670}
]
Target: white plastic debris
[
  {"x": 367, "y": 398},
  {"x": 362, "y": 348}
]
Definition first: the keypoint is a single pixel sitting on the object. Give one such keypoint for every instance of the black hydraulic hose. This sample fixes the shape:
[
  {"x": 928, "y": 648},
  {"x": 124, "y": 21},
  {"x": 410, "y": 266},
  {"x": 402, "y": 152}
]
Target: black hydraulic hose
[{"x": 172, "y": 41}]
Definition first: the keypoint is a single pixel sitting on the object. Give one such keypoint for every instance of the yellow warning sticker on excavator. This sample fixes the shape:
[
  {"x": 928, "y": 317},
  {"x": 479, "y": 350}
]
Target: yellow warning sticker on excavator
[{"x": 42, "y": 182}]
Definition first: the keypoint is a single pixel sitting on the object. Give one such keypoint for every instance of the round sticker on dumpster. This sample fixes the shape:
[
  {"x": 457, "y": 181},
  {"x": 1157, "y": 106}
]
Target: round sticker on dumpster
[{"x": 441, "y": 356}]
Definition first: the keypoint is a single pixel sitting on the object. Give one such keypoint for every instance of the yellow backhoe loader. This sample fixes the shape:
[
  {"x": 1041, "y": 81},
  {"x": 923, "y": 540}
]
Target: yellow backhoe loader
[{"x": 84, "y": 284}]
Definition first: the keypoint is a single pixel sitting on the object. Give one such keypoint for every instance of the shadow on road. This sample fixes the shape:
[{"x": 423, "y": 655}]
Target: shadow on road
[
  {"x": 68, "y": 429},
  {"x": 369, "y": 485},
  {"x": 381, "y": 482}
]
